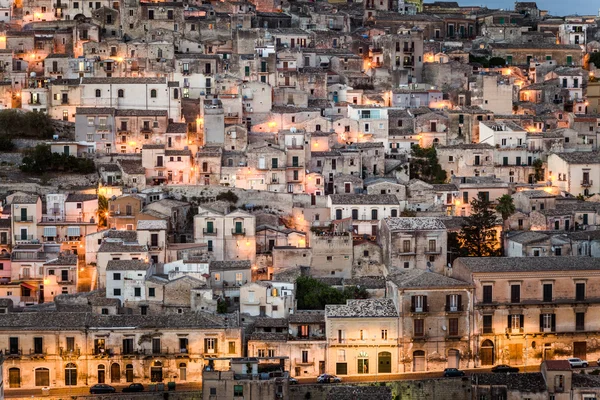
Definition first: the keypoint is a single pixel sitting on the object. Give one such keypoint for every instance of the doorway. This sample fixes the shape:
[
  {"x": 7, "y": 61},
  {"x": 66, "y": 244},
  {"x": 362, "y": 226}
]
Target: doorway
[
  {"x": 487, "y": 353},
  {"x": 385, "y": 362}
]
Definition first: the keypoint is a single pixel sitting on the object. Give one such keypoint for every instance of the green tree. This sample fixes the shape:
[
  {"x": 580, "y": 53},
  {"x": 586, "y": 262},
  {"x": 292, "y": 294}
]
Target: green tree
[
  {"x": 221, "y": 306},
  {"x": 312, "y": 294},
  {"x": 424, "y": 165},
  {"x": 538, "y": 166},
  {"x": 6, "y": 144},
  {"x": 41, "y": 159},
  {"x": 102, "y": 211},
  {"x": 497, "y": 62},
  {"x": 478, "y": 233},
  {"x": 228, "y": 196},
  {"x": 505, "y": 206}
]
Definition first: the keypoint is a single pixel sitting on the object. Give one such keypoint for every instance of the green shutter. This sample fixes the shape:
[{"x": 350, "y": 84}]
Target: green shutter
[{"x": 569, "y": 60}]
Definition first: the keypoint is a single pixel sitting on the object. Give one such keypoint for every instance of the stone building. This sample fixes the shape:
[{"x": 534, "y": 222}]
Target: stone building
[
  {"x": 81, "y": 348},
  {"x": 413, "y": 243},
  {"x": 529, "y": 309}
]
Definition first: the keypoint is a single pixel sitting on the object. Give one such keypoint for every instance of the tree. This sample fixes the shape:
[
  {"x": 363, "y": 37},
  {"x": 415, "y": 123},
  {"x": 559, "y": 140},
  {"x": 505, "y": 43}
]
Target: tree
[
  {"x": 538, "y": 166},
  {"x": 221, "y": 306},
  {"x": 497, "y": 62},
  {"x": 312, "y": 294},
  {"x": 15, "y": 123},
  {"x": 424, "y": 165},
  {"x": 505, "y": 206},
  {"x": 41, "y": 159},
  {"x": 228, "y": 196},
  {"x": 6, "y": 144},
  {"x": 478, "y": 233},
  {"x": 102, "y": 210}
]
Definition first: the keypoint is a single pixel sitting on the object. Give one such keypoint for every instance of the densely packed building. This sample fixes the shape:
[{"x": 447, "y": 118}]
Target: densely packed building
[{"x": 244, "y": 148}]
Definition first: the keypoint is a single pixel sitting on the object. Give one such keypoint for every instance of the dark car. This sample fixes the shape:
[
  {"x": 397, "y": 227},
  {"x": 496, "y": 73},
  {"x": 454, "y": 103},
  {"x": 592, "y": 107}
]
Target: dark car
[
  {"x": 134, "y": 387},
  {"x": 292, "y": 381},
  {"x": 502, "y": 368},
  {"x": 102, "y": 388},
  {"x": 452, "y": 372}
]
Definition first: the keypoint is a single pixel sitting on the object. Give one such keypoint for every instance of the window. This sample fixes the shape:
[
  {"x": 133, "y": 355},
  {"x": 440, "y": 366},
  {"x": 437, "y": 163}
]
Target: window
[
  {"x": 137, "y": 292},
  {"x": 384, "y": 334},
  {"x": 453, "y": 327},
  {"x": 580, "y": 291},
  {"x": 418, "y": 304},
  {"x": 580, "y": 321},
  {"x": 153, "y": 93},
  {"x": 231, "y": 347},
  {"x": 515, "y": 293},
  {"x": 98, "y": 93},
  {"x": 406, "y": 246},
  {"x": 238, "y": 391},
  {"x": 116, "y": 292},
  {"x": 515, "y": 322},
  {"x": 547, "y": 289},
  {"x": 419, "y": 326},
  {"x": 547, "y": 322},
  {"x": 487, "y": 324},
  {"x": 487, "y": 293},
  {"x": 210, "y": 345},
  {"x": 121, "y": 93},
  {"x": 117, "y": 276}
]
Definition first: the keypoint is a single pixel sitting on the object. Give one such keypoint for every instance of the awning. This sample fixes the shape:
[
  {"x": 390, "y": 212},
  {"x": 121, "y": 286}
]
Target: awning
[
  {"x": 28, "y": 286},
  {"x": 73, "y": 231},
  {"x": 49, "y": 231}
]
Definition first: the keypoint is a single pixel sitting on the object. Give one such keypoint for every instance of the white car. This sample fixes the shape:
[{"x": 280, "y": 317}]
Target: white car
[{"x": 577, "y": 363}]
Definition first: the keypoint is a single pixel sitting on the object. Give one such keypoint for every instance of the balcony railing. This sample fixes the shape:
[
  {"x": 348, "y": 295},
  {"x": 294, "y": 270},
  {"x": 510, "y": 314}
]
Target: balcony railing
[
  {"x": 212, "y": 232},
  {"x": 69, "y": 353},
  {"x": 13, "y": 352},
  {"x": 28, "y": 299},
  {"x": 454, "y": 308},
  {"x": 300, "y": 361},
  {"x": 56, "y": 71},
  {"x": 587, "y": 182},
  {"x": 514, "y": 331},
  {"x": 421, "y": 309},
  {"x": 432, "y": 250},
  {"x": 23, "y": 238},
  {"x": 21, "y": 218},
  {"x": 241, "y": 232}
]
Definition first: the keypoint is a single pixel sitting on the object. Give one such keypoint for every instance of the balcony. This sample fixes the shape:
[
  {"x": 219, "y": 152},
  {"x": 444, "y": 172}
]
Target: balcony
[
  {"x": 587, "y": 182},
  {"x": 53, "y": 219},
  {"x": 154, "y": 246},
  {"x": 299, "y": 361},
  {"x": 28, "y": 299},
  {"x": 514, "y": 331},
  {"x": 454, "y": 308},
  {"x": 408, "y": 50},
  {"x": 418, "y": 310},
  {"x": 57, "y": 71},
  {"x": 102, "y": 352},
  {"x": 432, "y": 250},
  {"x": 103, "y": 128},
  {"x": 23, "y": 218},
  {"x": 212, "y": 232},
  {"x": 34, "y": 102},
  {"x": 37, "y": 353},
  {"x": 23, "y": 238},
  {"x": 13, "y": 352},
  {"x": 69, "y": 353},
  {"x": 406, "y": 252},
  {"x": 240, "y": 232}
]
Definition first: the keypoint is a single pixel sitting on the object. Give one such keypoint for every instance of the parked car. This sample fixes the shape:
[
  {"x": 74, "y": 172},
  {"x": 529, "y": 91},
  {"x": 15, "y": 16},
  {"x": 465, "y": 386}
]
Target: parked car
[
  {"x": 577, "y": 363},
  {"x": 102, "y": 388},
  {"x": 452, "y": 372},
  {"x": 503, "y": 368},
  {"x": 292, "y": 381},
  {"x": 326, "y": 378},
  {"x": 133, "y": 388}
]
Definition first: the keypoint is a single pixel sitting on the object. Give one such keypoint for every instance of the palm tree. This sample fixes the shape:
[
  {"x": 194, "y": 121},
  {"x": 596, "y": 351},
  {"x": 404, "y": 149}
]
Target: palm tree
[{"x": 506, "y": 207}]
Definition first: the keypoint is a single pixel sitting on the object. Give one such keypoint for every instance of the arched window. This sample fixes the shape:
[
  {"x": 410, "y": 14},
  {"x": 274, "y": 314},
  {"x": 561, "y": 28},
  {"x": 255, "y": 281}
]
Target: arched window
[
  {"x": 101, "y": 374},
  {"x": 182, "y": 371},
  {"x": 42, "y": 377},
  {"x": 121, "y": 93},
  {"x": 70, "y": 374},
  {"x": 175, "y": 93},
  {"x": 14, "y": 378},
  {"x": 129, "y": 372},
  {"x": 153, "y": 93},
  {"x": 98, "y": 93}
]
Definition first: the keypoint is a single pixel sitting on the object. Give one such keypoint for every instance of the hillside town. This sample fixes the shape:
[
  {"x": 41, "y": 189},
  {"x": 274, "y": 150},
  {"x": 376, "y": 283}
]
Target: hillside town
[{"x": 249, "y": 198}]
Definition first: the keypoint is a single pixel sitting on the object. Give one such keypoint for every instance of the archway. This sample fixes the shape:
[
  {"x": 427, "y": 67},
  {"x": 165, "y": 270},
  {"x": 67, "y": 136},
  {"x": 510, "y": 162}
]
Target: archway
[
  {"x": 42, "y": 377},
  {"x": 70, "y": 374},
  {"x": 129, "y": 372},
  {"x": 115, "y": 373},
  {"x": 418, "y": 361},
  {"x": 14, "y": 378},
  {"x": 453, "y": 358},
  {"x": 101, "y": 374},
  {"x": 156, "y": 372},
  {"x": 385, "y": 362},
  {"x": 486, "y": 354}
]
